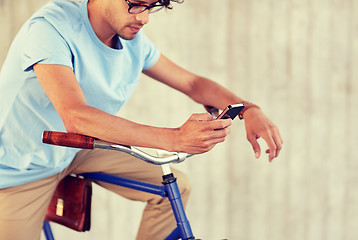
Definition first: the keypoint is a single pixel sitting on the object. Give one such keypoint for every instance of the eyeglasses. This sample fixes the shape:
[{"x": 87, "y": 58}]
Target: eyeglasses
[{"x": 136, "y": 8}]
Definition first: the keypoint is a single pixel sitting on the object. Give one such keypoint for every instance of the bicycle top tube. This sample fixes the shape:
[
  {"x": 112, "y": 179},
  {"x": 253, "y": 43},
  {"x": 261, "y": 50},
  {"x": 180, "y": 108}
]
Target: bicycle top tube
[{"x": 87, "y": 142}]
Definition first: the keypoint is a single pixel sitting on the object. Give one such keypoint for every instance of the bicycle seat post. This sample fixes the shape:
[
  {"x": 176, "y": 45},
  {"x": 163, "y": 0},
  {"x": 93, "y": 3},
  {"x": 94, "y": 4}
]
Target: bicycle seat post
[
  {"x": 183, "y": 230},
  {"x": 166, "y": 169}
]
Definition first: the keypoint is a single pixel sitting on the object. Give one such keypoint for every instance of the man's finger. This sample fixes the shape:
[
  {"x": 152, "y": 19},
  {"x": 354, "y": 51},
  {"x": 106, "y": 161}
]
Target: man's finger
[
  {"x": 201, "y": 117},
  {"x": 255, "y": 145},
  {"x": 219, "y": 133},
  {"x": 220, "y": 124},
  {"x": 278, "y": 142},
  {"x": 276, "y": 137},
  {"x": 272, "y": 146}
]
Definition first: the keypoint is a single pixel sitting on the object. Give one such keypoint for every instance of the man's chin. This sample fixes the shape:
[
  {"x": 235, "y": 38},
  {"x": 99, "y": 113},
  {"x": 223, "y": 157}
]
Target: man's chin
[{"x": 128, "y": 36}]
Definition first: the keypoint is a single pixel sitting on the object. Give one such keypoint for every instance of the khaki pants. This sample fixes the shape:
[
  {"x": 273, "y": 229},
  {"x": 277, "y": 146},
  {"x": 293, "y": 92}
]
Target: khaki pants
[{"x": 23, "y": 208}]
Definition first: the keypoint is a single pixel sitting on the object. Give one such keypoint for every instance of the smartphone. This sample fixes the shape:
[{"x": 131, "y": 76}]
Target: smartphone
[{"x": 231, "y": 111}]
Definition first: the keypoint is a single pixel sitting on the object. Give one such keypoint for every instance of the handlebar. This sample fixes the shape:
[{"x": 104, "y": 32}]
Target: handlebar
[{"x": 86, "y": 142}]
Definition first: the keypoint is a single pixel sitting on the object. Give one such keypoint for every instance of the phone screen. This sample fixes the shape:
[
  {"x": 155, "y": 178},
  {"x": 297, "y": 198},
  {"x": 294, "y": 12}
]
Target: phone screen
[{"x": 231, "y": 111}]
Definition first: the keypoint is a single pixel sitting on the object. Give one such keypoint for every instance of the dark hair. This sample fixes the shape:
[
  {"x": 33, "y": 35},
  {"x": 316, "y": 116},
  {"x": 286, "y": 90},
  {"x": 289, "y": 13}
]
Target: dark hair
[{"x": 167, "y": 3}]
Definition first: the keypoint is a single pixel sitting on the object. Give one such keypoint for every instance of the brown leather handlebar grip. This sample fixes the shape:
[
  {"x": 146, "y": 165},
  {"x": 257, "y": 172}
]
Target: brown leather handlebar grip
[{"x": 68, "y": 139}]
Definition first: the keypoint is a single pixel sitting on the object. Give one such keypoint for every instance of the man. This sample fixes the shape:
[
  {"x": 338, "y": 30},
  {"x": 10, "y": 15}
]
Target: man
[{"x": 71, "y": 68}]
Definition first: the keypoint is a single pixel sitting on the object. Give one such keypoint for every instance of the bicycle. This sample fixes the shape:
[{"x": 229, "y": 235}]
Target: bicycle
[{"x": 168, "y": 189}]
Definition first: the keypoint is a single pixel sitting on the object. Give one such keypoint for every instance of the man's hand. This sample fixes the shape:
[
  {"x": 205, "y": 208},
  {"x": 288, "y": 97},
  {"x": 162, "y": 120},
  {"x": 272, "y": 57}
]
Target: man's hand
[
  {"x": 258, "y": 125},
  {"x": 200, "y": 133}
]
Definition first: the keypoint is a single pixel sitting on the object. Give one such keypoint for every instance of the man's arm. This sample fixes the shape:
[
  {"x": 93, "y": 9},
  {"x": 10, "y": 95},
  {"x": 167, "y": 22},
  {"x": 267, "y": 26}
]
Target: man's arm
[
  {"x": 197, "y": 135},
  {"x": 200, "y": 89},
  {"x": 207, "y": 92}
]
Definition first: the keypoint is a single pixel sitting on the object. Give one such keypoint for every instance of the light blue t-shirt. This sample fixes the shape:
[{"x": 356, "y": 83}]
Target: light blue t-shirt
[{"x": 59, "y": 33}]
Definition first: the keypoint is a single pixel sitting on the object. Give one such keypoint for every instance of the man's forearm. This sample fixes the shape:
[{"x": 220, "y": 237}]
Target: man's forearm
[
  {"x": 94, "y": 122},
  {"x": 208, "y": 92}
]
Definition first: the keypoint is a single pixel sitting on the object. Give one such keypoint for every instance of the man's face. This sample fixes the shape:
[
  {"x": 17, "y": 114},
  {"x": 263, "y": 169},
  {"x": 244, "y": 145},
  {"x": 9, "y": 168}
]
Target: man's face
[{"x": 123, "y": 23}]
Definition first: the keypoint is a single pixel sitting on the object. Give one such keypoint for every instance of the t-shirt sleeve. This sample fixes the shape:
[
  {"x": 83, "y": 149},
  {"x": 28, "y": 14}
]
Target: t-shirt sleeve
[
  {"x": 152, "y": 53},
  {"x": 45, "y": 45}
]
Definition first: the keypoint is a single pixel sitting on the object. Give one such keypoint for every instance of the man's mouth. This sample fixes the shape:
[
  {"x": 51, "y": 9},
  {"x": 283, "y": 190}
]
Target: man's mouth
[{"x": 135, "y": 28}]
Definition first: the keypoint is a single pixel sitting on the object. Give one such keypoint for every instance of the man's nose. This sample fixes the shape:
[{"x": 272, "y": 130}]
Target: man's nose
[{"x": 143, "y": 17}]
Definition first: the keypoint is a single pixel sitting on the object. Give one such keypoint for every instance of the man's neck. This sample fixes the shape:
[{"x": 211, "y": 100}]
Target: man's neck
[{"x": 100, "y": 26}]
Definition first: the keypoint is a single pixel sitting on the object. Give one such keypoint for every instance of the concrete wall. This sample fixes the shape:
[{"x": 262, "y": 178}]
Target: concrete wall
[{"x": 297, "y": 60}]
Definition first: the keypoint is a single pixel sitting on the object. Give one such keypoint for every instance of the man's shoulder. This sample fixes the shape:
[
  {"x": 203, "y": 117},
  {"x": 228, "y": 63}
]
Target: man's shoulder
[
  {"x": 61, "y": 11},
  {"x": 66, "y": 16}
]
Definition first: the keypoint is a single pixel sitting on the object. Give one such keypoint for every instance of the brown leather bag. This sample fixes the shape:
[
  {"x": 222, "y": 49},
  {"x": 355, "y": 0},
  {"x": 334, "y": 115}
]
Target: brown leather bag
[{"x": 71, "y": 204}]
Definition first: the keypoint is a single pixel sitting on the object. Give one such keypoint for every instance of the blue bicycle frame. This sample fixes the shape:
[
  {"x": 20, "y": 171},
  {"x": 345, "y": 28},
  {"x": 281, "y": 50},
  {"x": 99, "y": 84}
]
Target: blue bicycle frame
[{"x": 169, "y": 189}]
